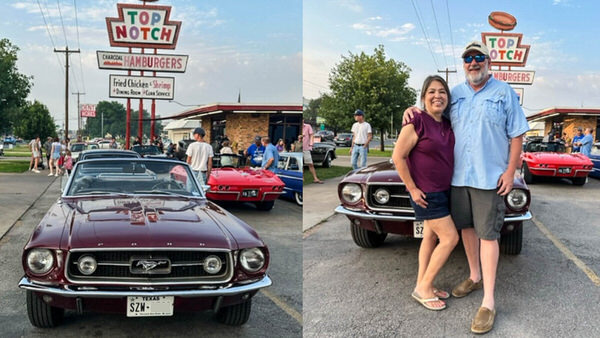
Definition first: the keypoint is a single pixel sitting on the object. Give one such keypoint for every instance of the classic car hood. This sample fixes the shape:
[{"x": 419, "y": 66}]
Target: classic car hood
[
  {"x": 379, "y": 172},
  {"x": 146, "y": 222},
  {"x": 243, "y": 176},
  {"x": 560, "y": 158}
]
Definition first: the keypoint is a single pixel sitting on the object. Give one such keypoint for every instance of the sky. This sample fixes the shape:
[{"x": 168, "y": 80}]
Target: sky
[
  {"x": 563, "y": 36},
  {"x": 252, "y": 47}
]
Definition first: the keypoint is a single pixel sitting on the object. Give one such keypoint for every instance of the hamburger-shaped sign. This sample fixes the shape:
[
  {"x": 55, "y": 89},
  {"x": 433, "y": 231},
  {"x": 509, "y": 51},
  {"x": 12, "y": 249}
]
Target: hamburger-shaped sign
[{"x": 502, "y": 21}]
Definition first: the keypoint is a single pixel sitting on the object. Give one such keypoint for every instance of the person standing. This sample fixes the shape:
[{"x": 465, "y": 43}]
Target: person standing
[
  {"x": 361, "y": 136},
  {"x": 199, "y": 156},
  {"x": 486, "y": 110},
  {"x": 35, "y": 145},
  {"x": 307, "y": 144},
  {"x": 280, "y": 145},
  {"x": 270, "y": 156},
  {"x": 113, "y": 143},
  {"x": 424, "y": 159},
  {"x": 587, "y": 141},
  {"x": 48, "y": 149},
  {"x": 255, "y": 151},
  {"x": 55, "y": 150},
  {"x": 577, "y": 139}
]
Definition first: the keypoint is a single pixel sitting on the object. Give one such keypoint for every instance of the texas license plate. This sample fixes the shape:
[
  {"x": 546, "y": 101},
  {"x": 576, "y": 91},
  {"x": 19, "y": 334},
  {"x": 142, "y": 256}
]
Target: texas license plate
[
  {"x": 250, "y": 193},
  {"x": 418, "y": 229},
  {"x": 150, "y": 306},
  {"x": 564, "y": 170}
]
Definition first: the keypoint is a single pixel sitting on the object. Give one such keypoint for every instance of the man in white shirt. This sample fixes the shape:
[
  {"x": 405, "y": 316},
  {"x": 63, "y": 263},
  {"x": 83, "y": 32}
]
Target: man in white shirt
[
  {"x": 361, "y": 136},
  {"x": 199, "y": 156}
]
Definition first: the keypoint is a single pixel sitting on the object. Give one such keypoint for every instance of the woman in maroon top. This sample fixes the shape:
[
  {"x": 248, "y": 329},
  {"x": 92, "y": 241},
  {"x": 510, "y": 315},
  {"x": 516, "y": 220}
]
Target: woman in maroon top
[{"x": 424, "y": 159}]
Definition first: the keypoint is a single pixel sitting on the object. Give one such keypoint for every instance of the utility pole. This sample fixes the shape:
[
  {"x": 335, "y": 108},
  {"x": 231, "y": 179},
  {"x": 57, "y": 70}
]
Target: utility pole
[
  {"x": 446, "y": 71},
  {"x": 78, "y": 113},
  {"x": 66, "y": 51}
]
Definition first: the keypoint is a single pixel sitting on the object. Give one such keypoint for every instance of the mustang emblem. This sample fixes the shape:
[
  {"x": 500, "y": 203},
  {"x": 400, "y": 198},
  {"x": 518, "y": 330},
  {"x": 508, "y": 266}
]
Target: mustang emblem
[{"x": 148, "y": 265}]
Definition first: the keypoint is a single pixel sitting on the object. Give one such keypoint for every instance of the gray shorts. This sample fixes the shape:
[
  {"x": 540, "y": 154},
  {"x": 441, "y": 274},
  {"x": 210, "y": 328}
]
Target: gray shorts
[
  {"x": 307, "y": 157},
  {"x": 480, "y": 209}
]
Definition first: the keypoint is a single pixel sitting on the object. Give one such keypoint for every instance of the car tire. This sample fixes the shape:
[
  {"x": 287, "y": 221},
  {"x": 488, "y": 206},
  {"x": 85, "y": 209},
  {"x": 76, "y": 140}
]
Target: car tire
[
  {"x": 366, "y": 238},
  {"x": 527, "y": 175},
  {"x": 265, "y": 206},
  {"x": 41, "y": 314},
  {"x": 235, "y": 315},
  {"x": 511, "y": 243},
  {"x": 579, "y": 180},
  {"x": 327, "y": 161},
  {"x": 298, "y": 197}
]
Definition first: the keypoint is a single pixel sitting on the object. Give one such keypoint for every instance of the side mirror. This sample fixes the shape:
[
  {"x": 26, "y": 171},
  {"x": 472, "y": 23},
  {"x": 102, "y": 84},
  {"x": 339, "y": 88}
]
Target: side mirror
[{"x": 205, "y": 188}]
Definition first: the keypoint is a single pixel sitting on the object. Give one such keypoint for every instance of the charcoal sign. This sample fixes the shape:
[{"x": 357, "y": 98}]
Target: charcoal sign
[{"x": 141, "y": 87}]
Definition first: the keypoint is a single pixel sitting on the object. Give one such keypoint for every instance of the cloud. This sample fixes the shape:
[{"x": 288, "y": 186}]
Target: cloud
[
  {"x": 351, "y": 5},
  {"x": 392, "y": 33}
]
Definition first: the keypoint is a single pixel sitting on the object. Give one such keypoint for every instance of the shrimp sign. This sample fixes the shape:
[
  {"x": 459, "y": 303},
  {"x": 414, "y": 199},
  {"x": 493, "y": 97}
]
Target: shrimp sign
[{"x": 143, "y": 26}]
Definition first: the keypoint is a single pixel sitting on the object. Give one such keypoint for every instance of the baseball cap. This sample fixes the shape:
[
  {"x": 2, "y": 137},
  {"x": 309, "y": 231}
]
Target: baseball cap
[
  {"x": 476, "y": 46},
  {"x": 359, "y": 112},
  {"x": 199, "y": 131},
  {"x": 257, "y": 138}
]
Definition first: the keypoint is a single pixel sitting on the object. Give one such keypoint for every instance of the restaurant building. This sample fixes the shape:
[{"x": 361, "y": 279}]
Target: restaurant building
[
  {"x": 559, "y": 120},
  {"x": 241, "y": 122}
]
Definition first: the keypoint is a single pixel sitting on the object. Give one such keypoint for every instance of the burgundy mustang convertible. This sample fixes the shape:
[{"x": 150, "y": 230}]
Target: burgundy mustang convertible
[
  {"x": 376, "y": 202},
  {"x": 128, "y": 236}
]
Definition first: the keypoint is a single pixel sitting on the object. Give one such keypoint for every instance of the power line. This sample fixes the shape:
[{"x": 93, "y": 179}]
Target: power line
[
  {"x": 78, "y": 45},
  {"x": 315, "y": 84},
  {"x": 439, "y": 34},
  {"x": 451, "y": 38},
  {"x": 62, "y": 23},
  {"x": 50, "y": 36},
  {"x": 424, "y": 33}
]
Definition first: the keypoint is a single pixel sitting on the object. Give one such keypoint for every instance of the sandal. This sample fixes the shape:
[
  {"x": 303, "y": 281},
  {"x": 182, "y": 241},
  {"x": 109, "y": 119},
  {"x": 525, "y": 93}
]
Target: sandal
[
  {"x": 318, "y": 182},
  {"x": 425, "y": 301},
  {"x": 441, "y": 294}
]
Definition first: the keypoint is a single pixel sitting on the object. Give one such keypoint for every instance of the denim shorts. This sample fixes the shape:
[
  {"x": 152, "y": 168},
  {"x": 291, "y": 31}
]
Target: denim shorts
[{"x": 437, "y": 206}]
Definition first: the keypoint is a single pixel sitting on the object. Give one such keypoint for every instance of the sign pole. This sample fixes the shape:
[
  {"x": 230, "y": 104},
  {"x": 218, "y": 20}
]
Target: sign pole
[
  {"x": 128, "y": 125},
  {"x": 79, "y": 119},
  {"x": 152, "y": 121},
  {"x": 141, "y": 111}
]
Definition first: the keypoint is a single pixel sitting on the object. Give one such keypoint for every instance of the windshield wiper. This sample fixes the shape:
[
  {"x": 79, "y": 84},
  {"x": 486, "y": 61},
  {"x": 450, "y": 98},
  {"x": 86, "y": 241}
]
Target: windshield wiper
[
  {"x": 101, "y": 193},
  {"x": 160, "y": 192}
]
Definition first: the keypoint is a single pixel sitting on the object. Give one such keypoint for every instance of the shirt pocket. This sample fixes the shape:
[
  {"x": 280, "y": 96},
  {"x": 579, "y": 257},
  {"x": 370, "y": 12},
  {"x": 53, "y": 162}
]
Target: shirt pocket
[{"x": 494, "y": 112}]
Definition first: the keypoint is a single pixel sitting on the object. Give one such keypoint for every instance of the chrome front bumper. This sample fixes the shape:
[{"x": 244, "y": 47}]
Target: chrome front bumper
[
  {"x": 358, "y": 214},
  {"x": 27, "y": 284}
]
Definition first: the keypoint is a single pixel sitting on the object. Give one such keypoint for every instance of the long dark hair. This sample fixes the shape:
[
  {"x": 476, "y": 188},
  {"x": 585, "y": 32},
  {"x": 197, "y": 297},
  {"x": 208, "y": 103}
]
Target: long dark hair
[{"x": 426, "y": 85}]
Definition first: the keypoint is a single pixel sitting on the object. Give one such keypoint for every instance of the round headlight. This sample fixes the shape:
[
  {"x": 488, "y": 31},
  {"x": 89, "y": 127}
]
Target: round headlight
[
  {"x": 40, "y": 261},
  {"x": 351, "y": 192},
  {"x": 252, "y": 260},
  {"x": 87, "y": 265},
  {"x": 517, "y": 199},
  {"x": 382, "y": 196},
  {"x": 212, "y": 264}
]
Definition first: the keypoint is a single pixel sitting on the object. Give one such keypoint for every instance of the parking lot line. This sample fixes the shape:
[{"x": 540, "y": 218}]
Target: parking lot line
[
  {"x": 282, "y": 305},
  {"x": 570, "y": 255}
]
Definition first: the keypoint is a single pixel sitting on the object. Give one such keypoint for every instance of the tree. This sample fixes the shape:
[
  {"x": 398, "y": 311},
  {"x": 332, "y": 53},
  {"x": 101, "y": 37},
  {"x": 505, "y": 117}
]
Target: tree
[
  {"x": 312, "y": 111},
  {"x": 14, "y": 87},
  {"x": 377, "y": 85},
  {"x": 115, "y": 121},
  {"x": 35, "y": 120}
]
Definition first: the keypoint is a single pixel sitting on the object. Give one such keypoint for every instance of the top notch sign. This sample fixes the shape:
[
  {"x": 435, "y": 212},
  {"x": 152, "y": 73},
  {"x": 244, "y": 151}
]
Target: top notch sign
[
  {"x": 506, "y": 49},
  {"x": 143, "y": 27}
]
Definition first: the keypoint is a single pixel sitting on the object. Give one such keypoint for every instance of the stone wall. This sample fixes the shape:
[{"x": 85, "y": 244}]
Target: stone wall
[
  {"x": 571, "y": 123},
  {"x": 242, "y": 128}
]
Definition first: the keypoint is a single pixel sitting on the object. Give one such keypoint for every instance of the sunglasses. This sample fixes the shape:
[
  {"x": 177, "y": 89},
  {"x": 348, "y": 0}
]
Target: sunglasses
[{"x": 478, "y": 58}]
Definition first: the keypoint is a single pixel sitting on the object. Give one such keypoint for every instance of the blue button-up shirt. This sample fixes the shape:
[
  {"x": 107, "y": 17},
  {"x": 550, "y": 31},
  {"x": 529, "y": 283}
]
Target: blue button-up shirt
[
  {"x": 483, "y": 124},
  {"x": 586, "y": 144},
  {"x": 270, "y": 153}
]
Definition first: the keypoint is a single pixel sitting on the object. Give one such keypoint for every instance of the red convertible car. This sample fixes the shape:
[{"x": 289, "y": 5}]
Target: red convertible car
[
  {"x": 127, "y": 236},
  {"x": 376, "y": 202},
  {"x": 229, "y": 181},
  {"x": 550, "y": 159}
]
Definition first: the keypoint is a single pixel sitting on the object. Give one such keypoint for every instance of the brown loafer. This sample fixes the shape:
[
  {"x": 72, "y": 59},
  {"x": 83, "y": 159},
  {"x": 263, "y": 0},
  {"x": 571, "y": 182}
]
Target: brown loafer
[
  {"x": 466, "y": 287},
  {"x": 483, "y": 321}
]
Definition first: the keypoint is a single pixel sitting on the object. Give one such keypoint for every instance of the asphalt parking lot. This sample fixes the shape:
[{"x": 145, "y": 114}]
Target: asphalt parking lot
[
  {"x": 550, "y": 290},
  {"x": 276, "y": 311}
]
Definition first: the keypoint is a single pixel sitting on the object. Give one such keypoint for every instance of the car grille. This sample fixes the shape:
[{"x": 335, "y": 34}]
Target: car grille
[
  {"x": 399, "y": 199},
  {"x": 119, "y": 267}
]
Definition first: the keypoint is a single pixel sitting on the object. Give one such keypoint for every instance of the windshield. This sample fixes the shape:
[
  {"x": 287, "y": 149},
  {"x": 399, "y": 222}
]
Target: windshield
[
  {"x": 227, "y": 161},
  {"x": 77, "y": 147},
  {"x": 147, "y": 150},
  {"x": 132, "y": 176},
  {"x": 553, "y": 147}
]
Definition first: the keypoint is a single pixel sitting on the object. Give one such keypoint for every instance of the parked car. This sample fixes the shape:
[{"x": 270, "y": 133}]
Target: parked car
[
  {"x": 343, "y": 139},
  {"x": 376, "y": 202},
  {"x": 323, "y": 153},
  {"x": 550, "y": 159},
  {"x": 595, "y": 158},
  {"x": 182, "y": 148},
  {"x": 107, "y": 153},
  {"x": 128, "y": 236},
  {"x": 10, "y": 140},
  {"x": 104, "y": 144},
  {"x": 149, "y": 150},
  {"x": 289, "y": 170},
  {"x": 325, "y": 135},
  {"x": 229, "y": 181},
  {"x": 77, "y": 147}
]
